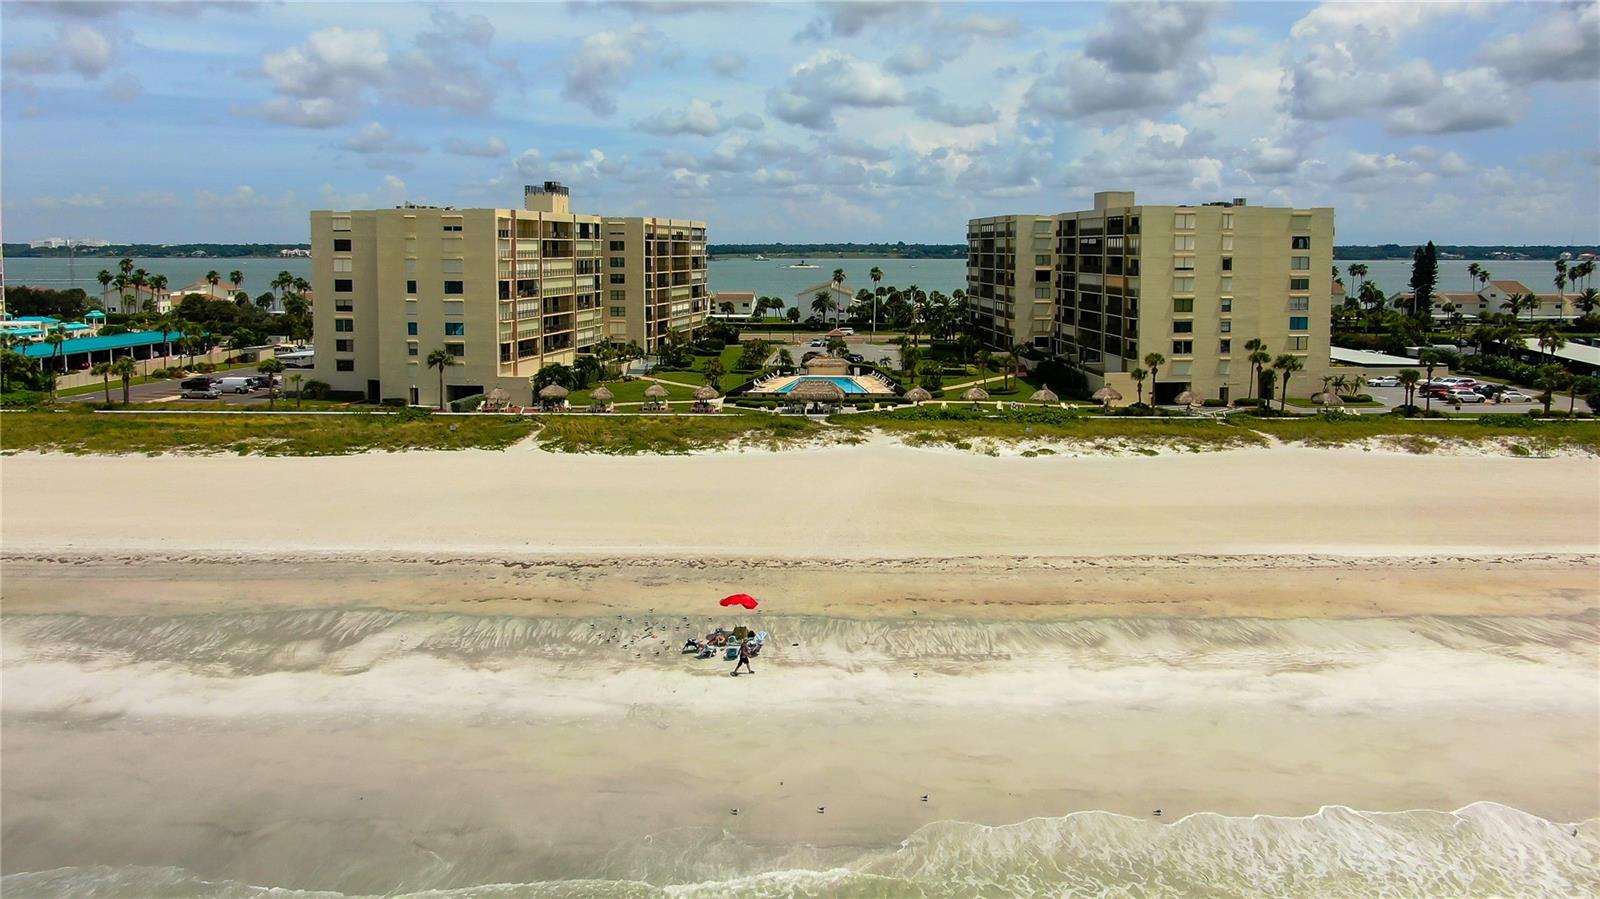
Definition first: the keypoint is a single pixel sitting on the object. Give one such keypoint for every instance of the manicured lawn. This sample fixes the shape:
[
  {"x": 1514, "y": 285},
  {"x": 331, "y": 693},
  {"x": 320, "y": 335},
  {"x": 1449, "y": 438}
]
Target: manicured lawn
[
  {"x": 696, "y": 376},
  {"x": 631, "y": 392}
]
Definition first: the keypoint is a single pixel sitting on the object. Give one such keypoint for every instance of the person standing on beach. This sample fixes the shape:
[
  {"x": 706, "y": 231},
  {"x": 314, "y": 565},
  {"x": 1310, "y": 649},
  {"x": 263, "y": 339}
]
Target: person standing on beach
[{"x": 744, "y": 659}]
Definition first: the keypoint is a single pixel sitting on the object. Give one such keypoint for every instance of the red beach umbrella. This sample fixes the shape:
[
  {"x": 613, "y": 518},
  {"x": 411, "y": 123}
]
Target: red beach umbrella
[{"x": 740, "y": 599}]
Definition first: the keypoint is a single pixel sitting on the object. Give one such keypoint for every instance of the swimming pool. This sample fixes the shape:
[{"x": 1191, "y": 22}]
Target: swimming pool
[{"x": 847, "y": 384}]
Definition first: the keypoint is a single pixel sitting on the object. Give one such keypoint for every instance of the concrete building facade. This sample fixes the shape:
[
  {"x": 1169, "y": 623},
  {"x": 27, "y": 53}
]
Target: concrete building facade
[
  {"x": 504, "y": 292},
  {"x": 1192, "y": 283}
]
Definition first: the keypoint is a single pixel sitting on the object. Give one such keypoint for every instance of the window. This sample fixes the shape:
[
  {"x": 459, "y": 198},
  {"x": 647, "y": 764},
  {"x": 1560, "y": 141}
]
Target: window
[
  {"x": 344, "y": 345},
  {"x": 1183, "y": 241},
  {"x": 411, "y": 348},
  {"x": 1225, "y": 326},
  {"x": 1183, "y": 263},
  {"x": 341, "y": 244},
  {"x": 452, "y": 266},
  {"x": 411, "y": 329},
  {"x": 1227, "y": 221},
  {"x": 1225, "y": 286},
  {"x": 617, "y": 262},
  {"x": 455, "y": 329},
  {"x": 1299, "y": 243},
  {"x": 343, "y": 304},
  {"x": 1299, "y": 304},
  {"x": 344, "y": 325},
  {"x": 454, "y": 288},
  {"x": 341, "y": 223},
  {"x": 1183, "y": 285},
  {"x": 1297, "y": 343},
  {"x": 618, "y": 246},
  {"x": 457, "y": 350},
  {"x": 619, "y": 296},
  {"x": 1183, "y": 305},
  {"x": 1183, "y": 220},
  {"x": 343, "y": 285},
  {"x": 344, "y": 265},
  {"x": 1227, "y": 243},
  {"x": 1227, "y": 263},
  {"x": 1183, "y": 327},
  {"x": 619, "y": 311},
  {"x": 452, "y": 226},
  {"x": 616, "y": 278},
  {"x": 1225, "y": 346},
  {"x": 1041, "y": 293},
  {"x": 1299, "y": 322},
  {"x": 1299, "y": 283},
  {"x": 1226, "y": 305},
  {"x": 344, "y": 365},
  {"x": 411, "y": 288},
  {"x": 1300, "y": 263},
  {"x": 1183, "y": 348}
]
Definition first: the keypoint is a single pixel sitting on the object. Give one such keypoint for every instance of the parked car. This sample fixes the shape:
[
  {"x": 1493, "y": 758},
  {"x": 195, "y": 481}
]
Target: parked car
[
  {"x": 1383, "y": 381},
  {"x": 819, "y": 342},
  {"x": 1513, "y": 396},
  {"x": 857, "y": 358},
  {"x": 209, "y": 392},
  {"x": 259, "y": 381},
  {"x": 236, "y": 385},
  {"x": 847, "y": 331},
  {"x": 1464, "y": 395},
  {"x": 1488, "y": 390}
]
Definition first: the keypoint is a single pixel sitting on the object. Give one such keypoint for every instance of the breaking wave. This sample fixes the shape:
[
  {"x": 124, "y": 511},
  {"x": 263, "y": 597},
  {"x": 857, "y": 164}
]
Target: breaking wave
[{"x": 1483, "y": 849}]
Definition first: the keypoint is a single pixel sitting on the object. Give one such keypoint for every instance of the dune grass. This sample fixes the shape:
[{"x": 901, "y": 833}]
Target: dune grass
[{"x": 670, "y": 434}]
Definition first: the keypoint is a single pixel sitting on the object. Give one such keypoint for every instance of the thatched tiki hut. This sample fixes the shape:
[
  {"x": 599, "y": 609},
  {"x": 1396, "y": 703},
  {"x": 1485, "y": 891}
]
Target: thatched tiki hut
[
  {"x": 600, "y": 399},
  {"x": 975, "y": 395},
  {"x": 496, "y": 400},
  {"x": 827, "y": 365},
  {"x": 1189, "y": 398},
  {"x": 1108, "y": 395},
  {"x": 553, "y": 398},
  {"x": 703, "y": 397},
  {"x": 1045, "y": 395},
  {"x": 918, "y": 395},
  {"x": 1328, "y": 398},
  {"x": 655, "y": 398},
  {"x": 821, "y": 393}
]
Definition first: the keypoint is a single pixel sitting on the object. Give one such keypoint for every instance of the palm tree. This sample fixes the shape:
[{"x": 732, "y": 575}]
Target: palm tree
[
  {"x": 158, "y": 284},
  {"x": 1258, "y": 357},
  {"x": 1549, "y": 378},
  {"x": 103, "y": 369},
  {"x": 1016, "y": 353},
  {"x": 1288, "y": 365},
  {"x": 1483, "y": 278},
  {"x": 105, "y": 278},
  {"x": 1358, "y": 271},
  {"x": 55, "y": 338},
  {"x": 1408, "y": 380},
  {"x": 441, "y": 360},
  {"x": 167, "y": 323},
  {"x": 876, "y": 275},
  {"x": 1549, "y": 337},
  {"x": 1154, "y": 361},
  {"x": 296, "y": 379},
  {"x": 713, "y": 373},
  {"x": 1588, "y": 300},
  {"x": 1430, "y": 361},
  {"x": 125, "y": 368},
  {"x": 1138, "y": 375},
  {"x": 837, "y": 279},
  {"x": 904, "y": 345},
  {"x": 270, "y": 368},
  {"x": 821, "y": 304},
  {"x": 235, "y": 278},
  {"x": 1473, "y": 271},
  {"x": 213, "y": 279},
  {"x": 125, "y": 265},
  {"x": 1561, "y": 286}
]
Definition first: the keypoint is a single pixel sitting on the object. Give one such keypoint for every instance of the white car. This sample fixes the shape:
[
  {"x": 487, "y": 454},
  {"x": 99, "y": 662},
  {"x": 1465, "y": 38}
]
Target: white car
[
  {"x": 847, "y": 331},
  {"x": 1464, "y": 395},
  {"x": 1383, "y": 381},
  {"x": 819, "y": 342},
  {"x": 1513, "y": 396}
]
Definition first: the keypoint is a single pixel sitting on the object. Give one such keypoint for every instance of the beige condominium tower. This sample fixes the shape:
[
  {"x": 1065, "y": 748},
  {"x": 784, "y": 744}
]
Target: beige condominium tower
[
  {"x": 503, "y": 291},
  {"x": 1010, "y": 280},
  {"x": 1192, "y": 283}
]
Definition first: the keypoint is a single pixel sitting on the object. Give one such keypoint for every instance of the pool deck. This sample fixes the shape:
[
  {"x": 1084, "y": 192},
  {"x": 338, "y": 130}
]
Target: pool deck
[{"x": 871, "y": 386}]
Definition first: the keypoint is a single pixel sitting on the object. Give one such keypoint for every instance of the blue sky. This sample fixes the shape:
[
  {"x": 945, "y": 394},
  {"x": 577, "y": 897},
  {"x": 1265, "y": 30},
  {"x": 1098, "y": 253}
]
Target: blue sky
[{"x": 1459, "y": 122}]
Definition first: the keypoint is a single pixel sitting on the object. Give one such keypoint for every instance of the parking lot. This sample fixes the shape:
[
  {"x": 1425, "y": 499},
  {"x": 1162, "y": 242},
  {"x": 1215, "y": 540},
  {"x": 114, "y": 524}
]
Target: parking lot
[
  {"x": 1395, "y": 396},
  {"x": 170, "y": 391}
]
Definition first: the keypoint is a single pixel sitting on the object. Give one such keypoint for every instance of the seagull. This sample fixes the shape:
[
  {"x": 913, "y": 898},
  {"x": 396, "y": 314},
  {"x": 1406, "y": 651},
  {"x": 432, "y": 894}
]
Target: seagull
[
  {"x": 821, "y": 809},
  {"x": 924, "y": 797},
  {"x": 733, "y": 811},
  {"x": 1157, "y": 813}
]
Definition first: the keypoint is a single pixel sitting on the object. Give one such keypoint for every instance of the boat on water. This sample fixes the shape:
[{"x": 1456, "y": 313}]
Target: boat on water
[
  {"x": 802, "y": 264},
  {"x": 760, "y": 258}
]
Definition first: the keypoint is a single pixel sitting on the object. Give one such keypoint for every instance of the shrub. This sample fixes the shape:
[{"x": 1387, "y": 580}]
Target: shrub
[
  {"x": 393, "y": 402},
  {"x": 316, "y": 390},
  {"x": 24, "y": 399},
  {"x": 205, "y": 368}
]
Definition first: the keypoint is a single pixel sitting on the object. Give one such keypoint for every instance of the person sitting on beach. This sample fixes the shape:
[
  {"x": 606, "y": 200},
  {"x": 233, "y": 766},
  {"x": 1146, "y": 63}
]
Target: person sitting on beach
[{"x": 744, "y": 659}]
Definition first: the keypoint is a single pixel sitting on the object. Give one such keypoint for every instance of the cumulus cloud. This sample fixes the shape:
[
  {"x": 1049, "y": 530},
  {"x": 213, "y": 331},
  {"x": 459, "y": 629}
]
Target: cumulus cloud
[
  {"x": 850, "y": 19},
  {"x": 1472, "y": 100},
  {"x": 490, "y": 148},
  {"x": 374, "y": 138},
  {"x": 1563, "y": 46},
  {"x": 828, "y": 81},
  {"x": 1143, "y": 58},
  {"x": 727, "y": 63},
  {"x": 77, "y": 47},
  {"x": 602, "y": 63},
  {"x": 988, "y": 26},
  {"x": 934, "y": 107},
  {"x": 913, "y": 59},
  {"x": 699, "y": 117}
]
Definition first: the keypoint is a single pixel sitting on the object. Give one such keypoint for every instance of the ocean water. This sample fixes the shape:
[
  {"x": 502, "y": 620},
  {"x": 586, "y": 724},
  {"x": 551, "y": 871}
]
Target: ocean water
[
  {"x": 764, "y": 278},
  {"x": 1483, "y": 849}
]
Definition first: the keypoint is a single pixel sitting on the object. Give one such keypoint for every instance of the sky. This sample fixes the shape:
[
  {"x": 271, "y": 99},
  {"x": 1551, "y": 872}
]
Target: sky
[{"x": 1464, "y": 123}]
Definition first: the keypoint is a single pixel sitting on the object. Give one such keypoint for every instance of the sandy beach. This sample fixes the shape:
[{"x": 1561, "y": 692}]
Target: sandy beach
[{"x": 392, "y": 673}]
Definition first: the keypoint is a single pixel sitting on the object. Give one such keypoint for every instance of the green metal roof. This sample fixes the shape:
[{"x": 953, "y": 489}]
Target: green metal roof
[{"x": 42, "y": 350}]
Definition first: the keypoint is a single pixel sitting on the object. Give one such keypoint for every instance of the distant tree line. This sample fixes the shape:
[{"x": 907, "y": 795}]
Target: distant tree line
[
  {"x": 1398, "y": 251},
  {"x": 147, "y": 250}
]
